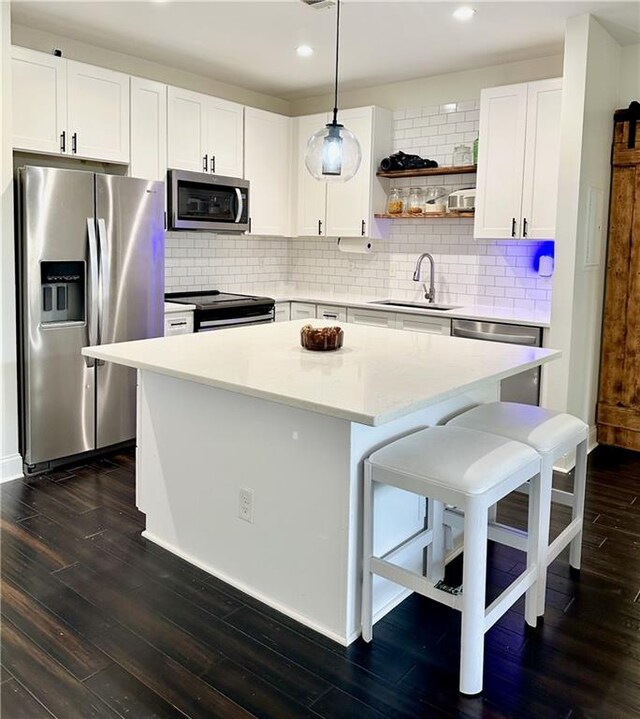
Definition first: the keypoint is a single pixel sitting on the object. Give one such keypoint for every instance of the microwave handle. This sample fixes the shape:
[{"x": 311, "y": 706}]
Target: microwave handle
[{"x": 240, "y": 205}]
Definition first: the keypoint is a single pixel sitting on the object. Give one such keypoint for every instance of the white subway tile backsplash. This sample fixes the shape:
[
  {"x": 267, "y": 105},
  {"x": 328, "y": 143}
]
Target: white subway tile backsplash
[{"x": 467, "y": 272}]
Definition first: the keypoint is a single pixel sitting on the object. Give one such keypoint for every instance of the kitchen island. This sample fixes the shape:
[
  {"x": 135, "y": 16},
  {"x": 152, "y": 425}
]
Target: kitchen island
[{"x": 250, "y": 449}]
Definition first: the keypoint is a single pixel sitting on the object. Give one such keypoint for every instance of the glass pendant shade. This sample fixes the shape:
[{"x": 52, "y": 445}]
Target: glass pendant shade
[{"x": 333, "y": 153}]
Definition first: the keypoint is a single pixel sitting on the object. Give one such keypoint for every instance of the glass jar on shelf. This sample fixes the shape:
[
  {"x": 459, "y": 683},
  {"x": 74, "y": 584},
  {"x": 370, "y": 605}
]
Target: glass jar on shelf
[
  {"x": 434, "y": 200},
  {"x": 395, "y": 203},
  {"x": 462, "y": 155},
  {"x": 416, "y": 201}
]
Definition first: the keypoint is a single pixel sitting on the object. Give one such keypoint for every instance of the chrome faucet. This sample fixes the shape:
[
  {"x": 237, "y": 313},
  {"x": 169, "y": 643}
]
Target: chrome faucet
[{"x": 429, "y": 294}]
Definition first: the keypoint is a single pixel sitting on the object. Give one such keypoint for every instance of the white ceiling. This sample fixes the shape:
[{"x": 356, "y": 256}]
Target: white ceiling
[{"x": 252, "y": 43}]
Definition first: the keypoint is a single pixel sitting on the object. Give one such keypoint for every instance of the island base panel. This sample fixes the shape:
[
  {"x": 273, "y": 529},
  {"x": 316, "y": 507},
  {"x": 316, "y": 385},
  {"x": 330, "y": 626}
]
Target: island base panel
[{"x": 198, "y": 446}]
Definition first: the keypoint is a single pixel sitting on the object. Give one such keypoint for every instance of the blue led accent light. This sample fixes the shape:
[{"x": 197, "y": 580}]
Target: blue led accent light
[{"x": 545, "y": 249}]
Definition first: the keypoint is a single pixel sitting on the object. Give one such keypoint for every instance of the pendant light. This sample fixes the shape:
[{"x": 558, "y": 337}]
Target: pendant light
[{"x": 333, "y": 153}]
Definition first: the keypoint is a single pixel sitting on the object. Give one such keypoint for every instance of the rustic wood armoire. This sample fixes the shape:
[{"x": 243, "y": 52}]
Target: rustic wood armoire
[{"x": 619, "y": 397}]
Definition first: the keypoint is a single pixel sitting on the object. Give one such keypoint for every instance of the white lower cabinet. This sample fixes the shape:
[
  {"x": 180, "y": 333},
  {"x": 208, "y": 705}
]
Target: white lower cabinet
[
  {"x": 178, "y": 323},
  {"x": 376, "y": 318},
  {"x": 302, "y": 311},
  {"x": 422, "y": 323},
  {"x": 283, "y": 311},
  {"x": 331, "y": 312}
]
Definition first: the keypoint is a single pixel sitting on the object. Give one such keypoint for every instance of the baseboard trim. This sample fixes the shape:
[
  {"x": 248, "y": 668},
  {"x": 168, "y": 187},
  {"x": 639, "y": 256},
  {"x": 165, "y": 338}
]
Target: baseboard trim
[{"x": 10, "y": 468}]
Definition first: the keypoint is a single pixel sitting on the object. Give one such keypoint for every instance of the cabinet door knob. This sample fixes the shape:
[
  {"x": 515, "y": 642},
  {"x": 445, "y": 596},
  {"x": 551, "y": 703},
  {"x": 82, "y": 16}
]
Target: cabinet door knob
[
  {"x": 205, "y": 163},
  {"x": 63, "y": 141},
  {"x": 74, "y": 143},
  {"x": 513, "y": 227}
]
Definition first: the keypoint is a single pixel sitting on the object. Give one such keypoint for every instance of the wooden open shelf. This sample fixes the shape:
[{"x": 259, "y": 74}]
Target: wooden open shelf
[
  {"x": 430, "y": 172},
  {"x": 426, "y": 215}
]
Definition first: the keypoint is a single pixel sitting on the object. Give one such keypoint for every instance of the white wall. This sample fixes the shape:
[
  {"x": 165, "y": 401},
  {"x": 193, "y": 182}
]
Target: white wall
[
  {"x": 83, "y": 52},
  {"x": 10, "y": 462},
  {"x": 629, "y": 75},
  {"x": 590, "y": 96},
  {"x": 436, "y": 90}
]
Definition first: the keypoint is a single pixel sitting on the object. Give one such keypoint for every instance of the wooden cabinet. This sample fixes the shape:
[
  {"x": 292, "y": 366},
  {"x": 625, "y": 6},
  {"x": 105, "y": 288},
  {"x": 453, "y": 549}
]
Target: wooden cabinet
[
  {"x": 302, "y": 311},
  {"x": 345, "y": 209},
  {"x": 66, "y": 107},
  {"x": 267, "y": 166},
  {"x": 519, "y": 149},
  {"x": 205, "y": 133},
  {"x": 618, "y": 417},
  {"x": 148, "y": 129}
]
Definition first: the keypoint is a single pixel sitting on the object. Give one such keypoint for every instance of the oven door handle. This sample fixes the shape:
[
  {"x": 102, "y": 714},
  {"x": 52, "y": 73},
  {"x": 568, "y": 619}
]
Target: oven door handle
[
  {"x": 235, "y": 321},
  {"x": 240, "y": 205}
]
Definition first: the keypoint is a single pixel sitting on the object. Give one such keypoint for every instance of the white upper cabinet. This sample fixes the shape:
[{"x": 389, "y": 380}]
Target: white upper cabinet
[
  {"x": 224, "y": 137},
  {"x": 312, "y": 194},
  {"x": 39, "y": 101},
  {"x": 61, "y": 106},
  {"x": 542, "y": 157},
  {"x": 267, "y": 166},
  {"x": 98, "y": 112},
  {"x": 148, "y": 129},
  {"x": 349, "y": 207},
  {"x": 186, "y": 130},
  {"x": 518, "y": 161},
  {"x": 205, "y": 133}
]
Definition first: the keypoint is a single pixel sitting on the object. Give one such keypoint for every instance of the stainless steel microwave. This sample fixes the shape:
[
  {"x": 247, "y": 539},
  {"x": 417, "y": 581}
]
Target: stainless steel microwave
[{"x": 198, "y": 201}]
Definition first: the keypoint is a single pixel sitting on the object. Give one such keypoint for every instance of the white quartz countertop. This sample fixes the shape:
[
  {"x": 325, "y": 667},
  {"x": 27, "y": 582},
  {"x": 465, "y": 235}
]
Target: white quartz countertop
[
  {"x": 521, "y": 316},
  {"x": 378, "y": 376}
]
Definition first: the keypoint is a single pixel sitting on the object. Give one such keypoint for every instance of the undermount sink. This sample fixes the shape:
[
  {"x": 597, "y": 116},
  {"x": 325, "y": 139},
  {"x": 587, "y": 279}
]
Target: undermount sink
[{"x": 416, "y": 305}]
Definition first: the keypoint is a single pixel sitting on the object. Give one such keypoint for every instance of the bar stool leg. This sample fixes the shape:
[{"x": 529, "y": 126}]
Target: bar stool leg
[
  {"x": 435, "y": 550},
  {"x": 367, "y": 553},
  {"x": 474, "y": 573},
  {"x": 537, "y": 541},
  {"x": 579, "y": 488}
]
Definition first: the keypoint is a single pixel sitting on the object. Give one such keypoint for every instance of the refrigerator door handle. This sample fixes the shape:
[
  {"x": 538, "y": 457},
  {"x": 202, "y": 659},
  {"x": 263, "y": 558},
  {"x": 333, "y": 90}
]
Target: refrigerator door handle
[
  {"x": 104, "y": 275},
  {"x": 92, "y": 323}
]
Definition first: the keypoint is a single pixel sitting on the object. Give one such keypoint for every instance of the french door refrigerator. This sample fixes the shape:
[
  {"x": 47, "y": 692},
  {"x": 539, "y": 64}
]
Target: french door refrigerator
[{"x": 90, "y": 271}]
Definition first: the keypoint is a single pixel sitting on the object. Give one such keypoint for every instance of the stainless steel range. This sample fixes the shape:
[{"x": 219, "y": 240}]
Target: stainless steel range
[{"x": 216, "y": 310}]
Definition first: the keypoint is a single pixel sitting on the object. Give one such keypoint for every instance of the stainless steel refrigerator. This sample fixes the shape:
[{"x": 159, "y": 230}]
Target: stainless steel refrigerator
[{"x": 90, "y": 271}]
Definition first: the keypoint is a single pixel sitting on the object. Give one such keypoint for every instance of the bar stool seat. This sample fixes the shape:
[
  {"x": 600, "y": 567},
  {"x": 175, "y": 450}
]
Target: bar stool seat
[
  {"x": 552, "y": 434},
  {"x": 471, "y": 470}
]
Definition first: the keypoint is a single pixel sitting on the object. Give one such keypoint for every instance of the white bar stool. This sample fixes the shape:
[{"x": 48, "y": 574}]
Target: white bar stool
[
  {"x": 471, "y": 470},
  {"x": 552, "y": 435}
]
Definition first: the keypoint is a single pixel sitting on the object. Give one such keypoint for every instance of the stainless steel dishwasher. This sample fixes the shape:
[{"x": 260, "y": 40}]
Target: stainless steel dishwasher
[{"x": 523, "y": 387}]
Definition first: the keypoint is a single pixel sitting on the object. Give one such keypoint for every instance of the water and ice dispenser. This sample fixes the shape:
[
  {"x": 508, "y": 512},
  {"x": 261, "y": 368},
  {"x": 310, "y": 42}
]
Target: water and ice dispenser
[{"x": 62, "y": 291}]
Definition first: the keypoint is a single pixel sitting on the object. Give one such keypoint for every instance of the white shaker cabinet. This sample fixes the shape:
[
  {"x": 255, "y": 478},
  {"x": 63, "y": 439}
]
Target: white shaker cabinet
[
  {"x": 331, "y": 312},
  {"x": 423, "y": 323},
  {"x": 282, "y": 311},
  {"x": 98, "y": 119},
  {"x": 376, "y": 318},
  {"x": 518, "y": 161},
  {"x": 148, "y": 129},
  {"x": 70, "y": 108},
  {"x": 302, "y": 311},
  {"x": 345, "y": 209},
  {"x": 39, "y": 83},
  {"x": 205, "y": 133},
  {"x": 267, "y": 166},
  {"x": 312, "y": 193}
]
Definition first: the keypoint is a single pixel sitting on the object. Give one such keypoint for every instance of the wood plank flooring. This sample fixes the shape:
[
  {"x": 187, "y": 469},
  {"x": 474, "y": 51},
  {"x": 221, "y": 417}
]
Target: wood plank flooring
[{"x": 98, "y": 622}]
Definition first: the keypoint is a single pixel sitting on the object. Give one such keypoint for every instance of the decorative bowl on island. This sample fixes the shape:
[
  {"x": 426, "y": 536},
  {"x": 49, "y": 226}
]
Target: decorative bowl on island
[{"x": 321, "y": 339}]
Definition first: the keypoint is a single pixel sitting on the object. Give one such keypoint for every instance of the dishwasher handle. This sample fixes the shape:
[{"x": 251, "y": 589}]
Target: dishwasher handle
[{"x": 530, "y": 340}]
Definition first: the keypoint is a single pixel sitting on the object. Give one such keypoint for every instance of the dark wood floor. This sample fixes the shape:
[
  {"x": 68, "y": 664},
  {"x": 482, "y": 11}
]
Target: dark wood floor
[{"x": 97, "y": 622}]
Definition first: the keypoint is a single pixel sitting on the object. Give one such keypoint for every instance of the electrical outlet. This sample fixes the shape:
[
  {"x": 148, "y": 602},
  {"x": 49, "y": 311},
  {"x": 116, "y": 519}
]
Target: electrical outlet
[{"x": 245, "y": 505}]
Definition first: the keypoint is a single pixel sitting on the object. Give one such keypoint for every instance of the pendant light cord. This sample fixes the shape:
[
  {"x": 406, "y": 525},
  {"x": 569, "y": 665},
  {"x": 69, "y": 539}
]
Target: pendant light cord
[{"x": 335, "y": 94}]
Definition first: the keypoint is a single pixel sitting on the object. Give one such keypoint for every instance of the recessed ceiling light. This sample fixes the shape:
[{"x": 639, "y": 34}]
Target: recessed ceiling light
[
  {"x": 304, "y": 50},
  {"x": 464, "y": 13}
]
